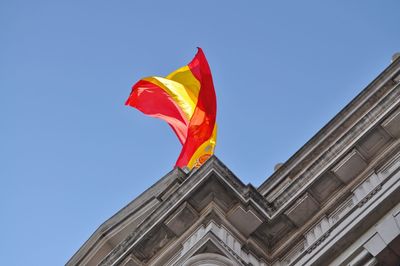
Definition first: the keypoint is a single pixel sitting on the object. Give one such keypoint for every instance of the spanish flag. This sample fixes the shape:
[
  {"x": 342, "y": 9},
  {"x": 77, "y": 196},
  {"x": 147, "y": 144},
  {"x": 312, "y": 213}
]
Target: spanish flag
[{"x": 186, "y": 100}]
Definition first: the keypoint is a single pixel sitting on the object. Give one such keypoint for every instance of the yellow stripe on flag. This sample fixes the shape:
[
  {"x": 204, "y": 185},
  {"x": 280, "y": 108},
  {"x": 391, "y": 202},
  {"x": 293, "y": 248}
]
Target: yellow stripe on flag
[
  {"x": 204, "y": 151},
  {"x": 185, "y": 76}
]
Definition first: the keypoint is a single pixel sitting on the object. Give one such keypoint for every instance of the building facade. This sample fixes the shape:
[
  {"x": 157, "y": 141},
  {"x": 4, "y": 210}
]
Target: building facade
[{"x": 336, "y": 201}]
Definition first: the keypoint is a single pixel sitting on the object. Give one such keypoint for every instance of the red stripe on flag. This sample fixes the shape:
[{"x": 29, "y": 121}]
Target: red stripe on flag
[
  {"x": 152, "y": 100},
  {"x": 202, "y": 123}
]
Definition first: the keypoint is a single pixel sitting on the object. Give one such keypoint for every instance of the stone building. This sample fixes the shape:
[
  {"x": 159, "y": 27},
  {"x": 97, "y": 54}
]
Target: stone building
[{"x": 336, "y": 201}]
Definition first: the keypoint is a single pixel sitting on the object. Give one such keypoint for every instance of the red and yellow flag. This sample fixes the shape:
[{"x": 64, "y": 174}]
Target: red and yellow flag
[{"x": 185, "y": 99}]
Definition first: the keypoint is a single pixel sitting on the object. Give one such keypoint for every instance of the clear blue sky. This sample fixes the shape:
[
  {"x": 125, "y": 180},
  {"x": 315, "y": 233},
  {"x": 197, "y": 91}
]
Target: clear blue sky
[{"x": 71, "y": 153}]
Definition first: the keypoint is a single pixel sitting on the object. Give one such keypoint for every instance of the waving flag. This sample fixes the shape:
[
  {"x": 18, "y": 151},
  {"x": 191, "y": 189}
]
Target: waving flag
[{"x": 185, "y": 99}]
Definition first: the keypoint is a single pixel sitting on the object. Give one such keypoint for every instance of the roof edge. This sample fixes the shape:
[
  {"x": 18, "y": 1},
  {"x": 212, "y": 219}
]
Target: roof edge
[{"x": 331, "y": 127}]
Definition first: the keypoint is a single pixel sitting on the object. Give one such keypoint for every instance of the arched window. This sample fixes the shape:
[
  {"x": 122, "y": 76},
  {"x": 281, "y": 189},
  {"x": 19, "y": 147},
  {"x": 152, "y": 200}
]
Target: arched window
[{"x": 208, "y": 259}]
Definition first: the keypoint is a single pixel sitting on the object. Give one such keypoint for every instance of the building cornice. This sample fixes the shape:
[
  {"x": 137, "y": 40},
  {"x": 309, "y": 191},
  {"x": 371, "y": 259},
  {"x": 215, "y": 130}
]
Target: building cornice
[{"x": 334, "y": 129}]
